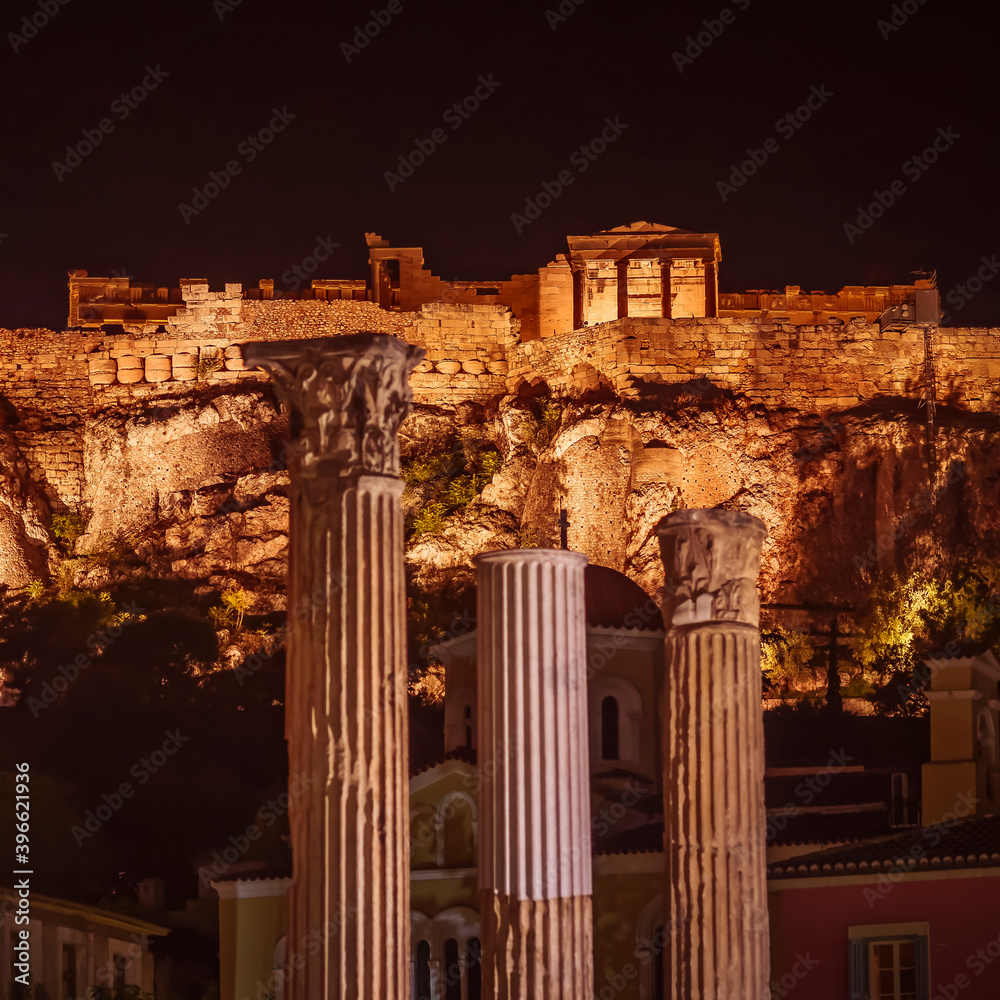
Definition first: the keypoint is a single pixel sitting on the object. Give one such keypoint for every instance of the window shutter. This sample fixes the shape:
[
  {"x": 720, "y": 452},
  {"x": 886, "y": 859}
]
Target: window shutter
[
  {"x": 858, "y": 972},
  {"x": 923, "y": 968}
]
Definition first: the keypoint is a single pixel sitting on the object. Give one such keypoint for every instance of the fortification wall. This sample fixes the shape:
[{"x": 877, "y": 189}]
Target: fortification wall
[
  {"x": 53, "y": 381},
  {"x": 806, "y": 367}
]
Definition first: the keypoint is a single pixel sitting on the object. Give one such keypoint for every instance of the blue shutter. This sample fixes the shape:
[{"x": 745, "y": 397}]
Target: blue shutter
[
  {"x": 923, "y": 968},
  {"x": 858, "y": 969}
]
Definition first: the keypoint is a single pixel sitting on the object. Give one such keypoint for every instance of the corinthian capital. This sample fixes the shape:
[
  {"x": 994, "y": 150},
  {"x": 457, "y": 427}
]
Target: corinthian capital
[
  {"x": 348, "y": 396},
  {"x": 711, "y": 560}
]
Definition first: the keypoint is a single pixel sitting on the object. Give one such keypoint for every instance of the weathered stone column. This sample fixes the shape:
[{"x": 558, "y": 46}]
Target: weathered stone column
[
  {"x": 345, "y": 706},
  {"x": 534, "y": 772},
  {"x": 716, "y": 923}
]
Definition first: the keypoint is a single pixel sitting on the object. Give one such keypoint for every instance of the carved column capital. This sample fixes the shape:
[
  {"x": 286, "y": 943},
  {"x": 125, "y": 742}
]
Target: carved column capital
[
  {"x": 711, "y": 560},
  {"x": 348, "y": 396}
]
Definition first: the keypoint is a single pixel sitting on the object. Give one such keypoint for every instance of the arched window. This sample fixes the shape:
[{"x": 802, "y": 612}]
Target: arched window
[
  {"x": 473, "y": 969},
  {"x": 423, "y": 972},
  {"x": 455, "y": 939},
  {"x": 650, "y": 945},
  {"x": 658, "y": 966},
  {"x": 467, "y": 719},
  {"x": 609, "y": 729},
  {"x": 616, "y": 718},
  {"x": 452, "y": 971}
]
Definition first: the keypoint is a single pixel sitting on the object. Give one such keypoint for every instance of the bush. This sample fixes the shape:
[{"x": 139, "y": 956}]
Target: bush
[
  {"x": 67, "y": 528},
  {"x": 235, "y": 602},
  {"x": 446, "y": 485}
]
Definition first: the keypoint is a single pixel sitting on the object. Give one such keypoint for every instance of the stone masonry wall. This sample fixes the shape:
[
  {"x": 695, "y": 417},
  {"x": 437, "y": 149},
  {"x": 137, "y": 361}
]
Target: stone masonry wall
[
  {"x": 806, "y": 367},
  {"x": 52, "y": 381}
]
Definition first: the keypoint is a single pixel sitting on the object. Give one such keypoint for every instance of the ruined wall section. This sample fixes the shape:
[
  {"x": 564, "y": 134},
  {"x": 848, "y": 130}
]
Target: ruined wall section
[
  {"x": 806, "y": 367},
  {"x": 44, "y": 400}
]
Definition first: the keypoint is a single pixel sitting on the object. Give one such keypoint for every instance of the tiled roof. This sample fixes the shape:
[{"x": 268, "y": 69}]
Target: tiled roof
[
  {"x": 972, "y": 843},
  {"x": 459, "y": 753}
]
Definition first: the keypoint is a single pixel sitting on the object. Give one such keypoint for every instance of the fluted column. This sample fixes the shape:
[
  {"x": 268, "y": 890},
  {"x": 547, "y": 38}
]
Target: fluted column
[
  {"x": 345, "y": 705},
  {"x": 716, "y": 945},
  {"x": 534, "y": 771}
]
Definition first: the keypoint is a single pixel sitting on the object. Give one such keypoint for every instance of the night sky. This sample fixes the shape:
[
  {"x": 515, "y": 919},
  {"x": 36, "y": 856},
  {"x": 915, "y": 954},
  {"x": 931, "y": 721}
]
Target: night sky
[{"x": 882, "y": 94}]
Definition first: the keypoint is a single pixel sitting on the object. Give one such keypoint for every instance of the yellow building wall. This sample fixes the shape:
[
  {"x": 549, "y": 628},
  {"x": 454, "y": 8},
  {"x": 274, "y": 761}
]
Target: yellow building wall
[
  {"x": 618, "y": 901},
  {"x": 249, "y": 930}
]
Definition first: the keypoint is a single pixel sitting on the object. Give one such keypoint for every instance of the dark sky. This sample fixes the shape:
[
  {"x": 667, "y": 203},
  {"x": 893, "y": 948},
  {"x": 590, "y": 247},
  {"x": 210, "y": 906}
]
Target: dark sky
[{"x": 885, "y": 99}]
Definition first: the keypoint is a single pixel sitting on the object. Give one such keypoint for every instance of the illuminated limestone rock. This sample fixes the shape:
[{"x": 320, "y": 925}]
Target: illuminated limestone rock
[
  {"x": 534, "y": 771},
  {"x": 716, "y": 945},
  {"x": 349, "y": 906}
]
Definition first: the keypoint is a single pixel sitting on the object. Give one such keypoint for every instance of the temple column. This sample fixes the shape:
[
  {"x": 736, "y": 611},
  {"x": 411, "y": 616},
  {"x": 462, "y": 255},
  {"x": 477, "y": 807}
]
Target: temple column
[
  {"x": 534, "y": 776},
  {"x": 345, "y": 705},
  {"x": 716, "y": 920}
]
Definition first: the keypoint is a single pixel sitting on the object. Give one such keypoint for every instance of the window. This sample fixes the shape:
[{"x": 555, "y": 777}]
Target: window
[
  {"x": 423, "y": 971},
  {"x": 614, "y": 708},
  {"x": 473, "y": 969},
  {"x": 898, "y": 813},
  {"x": 120, "y": 963},
  {"x": 69, "y": 971},
  {"x": 887, "y": 963},
  {"x": 609, "y": 729},
  {"x": 452, "y": 971}
]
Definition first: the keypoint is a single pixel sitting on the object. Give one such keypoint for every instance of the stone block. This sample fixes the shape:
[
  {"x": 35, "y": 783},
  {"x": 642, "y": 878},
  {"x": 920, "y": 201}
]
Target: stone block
[
  {"x": 158, "y": 368},
  {"x": 129, "y": 375},
  {"x": 129, "y": 362}
]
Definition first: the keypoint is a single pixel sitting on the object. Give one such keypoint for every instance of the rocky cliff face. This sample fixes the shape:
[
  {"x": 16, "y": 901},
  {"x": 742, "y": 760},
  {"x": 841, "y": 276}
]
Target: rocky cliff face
[{"x": 192, "y": 491}]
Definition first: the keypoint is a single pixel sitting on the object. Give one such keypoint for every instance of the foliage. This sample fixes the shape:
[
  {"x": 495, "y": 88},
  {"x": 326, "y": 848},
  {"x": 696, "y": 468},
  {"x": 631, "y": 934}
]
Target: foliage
[
  {"x": 67, "y": 528},
  {"x": 209, "y": 363},
  {"x": 541, "y": 434},
  {"x": 785, "y": 657},
  {"x": 235, "y": 602},
  {"x": 914, "y": 616},
  {"x": 446, "y": 483},
  {"x": 429, "y": 519},
  {"x": 428, "y": 686},
  {"x": 33, "y": 590}
]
